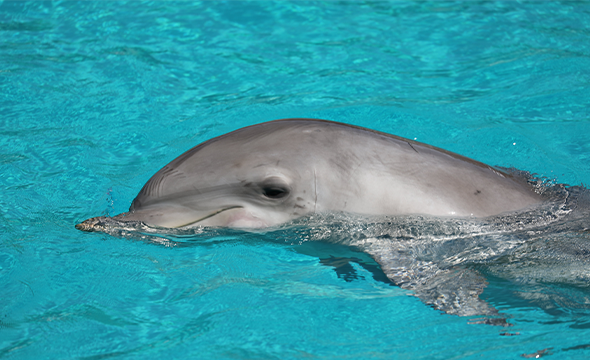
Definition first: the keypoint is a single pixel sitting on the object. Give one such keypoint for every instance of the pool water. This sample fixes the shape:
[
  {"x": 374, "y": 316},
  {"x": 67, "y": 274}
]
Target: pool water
[{"x": 95, "y": 97}]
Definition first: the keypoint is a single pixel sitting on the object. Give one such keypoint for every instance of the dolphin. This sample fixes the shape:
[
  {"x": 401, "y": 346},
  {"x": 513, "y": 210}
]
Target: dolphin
[
  {"x": 274, "y": 172},
  {"x": 270, "y": 173}
]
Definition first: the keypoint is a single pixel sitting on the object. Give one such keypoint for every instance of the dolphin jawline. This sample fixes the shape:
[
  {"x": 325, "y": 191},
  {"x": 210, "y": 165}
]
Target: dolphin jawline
[
  {"x": 97, "y": 224},
  {"x": 209, "y": 216}
]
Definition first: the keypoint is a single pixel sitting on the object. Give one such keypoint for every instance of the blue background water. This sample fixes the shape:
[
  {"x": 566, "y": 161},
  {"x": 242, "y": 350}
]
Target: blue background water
[{"x": 95, "y": 97}]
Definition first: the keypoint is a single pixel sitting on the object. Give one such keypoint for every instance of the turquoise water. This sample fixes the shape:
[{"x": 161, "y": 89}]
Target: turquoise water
[{"x": 95, "y": 97}]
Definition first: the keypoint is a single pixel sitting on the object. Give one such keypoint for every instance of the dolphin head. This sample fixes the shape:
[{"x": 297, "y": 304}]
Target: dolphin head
[
  {"x": 251, "y": 178},
  {"x": 273, "y": 172}
]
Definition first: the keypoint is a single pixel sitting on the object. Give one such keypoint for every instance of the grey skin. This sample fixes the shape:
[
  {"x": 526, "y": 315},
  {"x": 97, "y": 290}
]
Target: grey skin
[{"x": 270, "y": 173}]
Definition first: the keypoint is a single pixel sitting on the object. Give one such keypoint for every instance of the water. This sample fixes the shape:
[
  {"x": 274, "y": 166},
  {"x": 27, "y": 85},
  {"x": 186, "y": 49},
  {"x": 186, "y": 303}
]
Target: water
[{"x": 97, "y": 96}]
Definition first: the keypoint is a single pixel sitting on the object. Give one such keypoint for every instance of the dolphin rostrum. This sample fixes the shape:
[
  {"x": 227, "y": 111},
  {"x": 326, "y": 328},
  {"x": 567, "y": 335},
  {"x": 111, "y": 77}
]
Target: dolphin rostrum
[{"x": 267, "y": 174}]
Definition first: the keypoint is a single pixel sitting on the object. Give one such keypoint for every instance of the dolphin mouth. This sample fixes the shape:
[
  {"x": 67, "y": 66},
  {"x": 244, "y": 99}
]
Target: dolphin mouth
[
  {"x": 102, "y": 223},
  {"x": 209, "y": 216},
  {"x": 92, "y": 224}
]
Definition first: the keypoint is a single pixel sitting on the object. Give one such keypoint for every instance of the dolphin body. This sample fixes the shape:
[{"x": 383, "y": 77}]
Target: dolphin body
[{"x": 267, "y": 174}]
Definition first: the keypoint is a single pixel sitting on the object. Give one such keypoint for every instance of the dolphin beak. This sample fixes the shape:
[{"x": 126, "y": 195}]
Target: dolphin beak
[
  {"x": 164, "y": 219},
  {"x": 92, "y": 224}
]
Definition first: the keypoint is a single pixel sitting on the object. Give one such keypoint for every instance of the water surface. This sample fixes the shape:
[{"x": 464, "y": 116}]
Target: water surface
[{"x": 98, "y": 96}]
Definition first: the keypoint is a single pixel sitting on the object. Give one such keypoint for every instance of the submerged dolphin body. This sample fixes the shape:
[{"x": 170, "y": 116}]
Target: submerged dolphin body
[{"x": 270, "y": 173}]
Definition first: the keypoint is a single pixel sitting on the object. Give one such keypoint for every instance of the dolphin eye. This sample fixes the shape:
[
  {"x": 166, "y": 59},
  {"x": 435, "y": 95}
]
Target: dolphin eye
[
  {"x": 274, "y": 187},
  {"x": 273, "y": 192}
]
